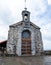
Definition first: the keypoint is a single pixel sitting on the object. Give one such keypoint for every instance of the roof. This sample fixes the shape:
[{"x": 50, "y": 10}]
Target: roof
[
  {"x": 21, "y": 22},
  {"x": 5, "y": 41},
  {"x": 34, "y": 25},
  {"x": 16, "y": 24}
]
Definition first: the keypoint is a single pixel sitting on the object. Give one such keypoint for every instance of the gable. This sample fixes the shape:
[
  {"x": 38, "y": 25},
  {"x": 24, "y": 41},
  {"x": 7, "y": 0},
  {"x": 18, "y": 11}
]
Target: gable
[{"x": 21, "y": 23}]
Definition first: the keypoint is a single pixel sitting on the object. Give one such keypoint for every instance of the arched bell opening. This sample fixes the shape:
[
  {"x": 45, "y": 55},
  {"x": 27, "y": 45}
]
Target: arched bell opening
[{"x": 26, "y": 43}]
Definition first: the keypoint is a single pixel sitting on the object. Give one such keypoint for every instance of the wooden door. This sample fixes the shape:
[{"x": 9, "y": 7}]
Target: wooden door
[{"x": 26, "y": 46}]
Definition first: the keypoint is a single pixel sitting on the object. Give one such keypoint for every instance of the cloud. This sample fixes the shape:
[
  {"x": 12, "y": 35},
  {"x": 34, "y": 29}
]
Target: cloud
[
  {"x": 38, "y": 10},
  {"x": 47, "y": 45},
  {"x": 39, "y": 7},
  {"x": 3, "y": 31},
  {"x": 46, "y": 34},
  {"x": 6, "y": 19},
  {"x": 49, "y": 2},
  {"x": 46, "y": 29}
]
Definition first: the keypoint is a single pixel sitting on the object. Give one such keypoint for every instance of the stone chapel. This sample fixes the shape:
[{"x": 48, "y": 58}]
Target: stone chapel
[{"x": 24, "y": 37}]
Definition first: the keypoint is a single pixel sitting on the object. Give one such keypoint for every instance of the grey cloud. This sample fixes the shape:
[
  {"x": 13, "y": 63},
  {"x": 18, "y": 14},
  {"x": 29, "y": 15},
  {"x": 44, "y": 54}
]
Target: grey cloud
[{"x": 6, "y": 16}]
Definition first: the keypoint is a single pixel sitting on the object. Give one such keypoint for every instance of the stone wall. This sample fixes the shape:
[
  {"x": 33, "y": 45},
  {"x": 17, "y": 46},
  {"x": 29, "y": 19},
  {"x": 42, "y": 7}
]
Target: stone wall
[{"x": 14, "y": 40}]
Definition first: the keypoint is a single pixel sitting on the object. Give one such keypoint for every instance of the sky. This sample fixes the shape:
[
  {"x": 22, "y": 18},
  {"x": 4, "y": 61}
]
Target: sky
[{"x": 10, "y": 13}]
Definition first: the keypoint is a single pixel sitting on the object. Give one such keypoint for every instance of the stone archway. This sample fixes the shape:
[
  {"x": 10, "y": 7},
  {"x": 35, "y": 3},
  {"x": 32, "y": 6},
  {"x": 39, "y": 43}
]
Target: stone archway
[{"x": 26, "y": 43}]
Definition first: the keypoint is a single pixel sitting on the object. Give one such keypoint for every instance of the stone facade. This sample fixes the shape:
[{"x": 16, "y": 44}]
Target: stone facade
[{"x": 14, "y": 42}]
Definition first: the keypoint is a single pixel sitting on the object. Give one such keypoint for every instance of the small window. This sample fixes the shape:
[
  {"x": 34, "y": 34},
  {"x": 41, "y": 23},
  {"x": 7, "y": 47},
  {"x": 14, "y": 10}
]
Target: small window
[
  {"x": 26, "y": 15},
  {"x": 26, "y": 34}
]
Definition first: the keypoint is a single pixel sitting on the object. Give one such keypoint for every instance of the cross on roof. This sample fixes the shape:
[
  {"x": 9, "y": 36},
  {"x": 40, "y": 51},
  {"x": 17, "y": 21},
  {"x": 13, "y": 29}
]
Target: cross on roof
[{"x": 25, "y": 5}]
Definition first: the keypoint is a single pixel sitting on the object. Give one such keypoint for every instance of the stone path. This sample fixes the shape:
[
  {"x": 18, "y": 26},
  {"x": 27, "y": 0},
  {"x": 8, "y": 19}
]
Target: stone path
[{"x": 36, "y": 60}]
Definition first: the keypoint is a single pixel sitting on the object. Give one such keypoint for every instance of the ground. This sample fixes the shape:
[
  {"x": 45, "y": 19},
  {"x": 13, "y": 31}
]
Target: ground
[{"x": 34, "y": 60}]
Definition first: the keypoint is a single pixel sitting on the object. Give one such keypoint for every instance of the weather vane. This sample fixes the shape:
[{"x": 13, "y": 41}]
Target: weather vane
[{"x": 25, "y": 5}]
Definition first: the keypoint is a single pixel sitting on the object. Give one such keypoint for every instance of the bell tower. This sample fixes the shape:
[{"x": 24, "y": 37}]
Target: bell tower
[{"x": 26, "y": 16}]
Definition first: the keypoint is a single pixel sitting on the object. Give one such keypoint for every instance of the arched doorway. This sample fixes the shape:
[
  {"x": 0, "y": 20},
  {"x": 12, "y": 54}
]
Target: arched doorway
[{"x": 26, "y": 42}]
